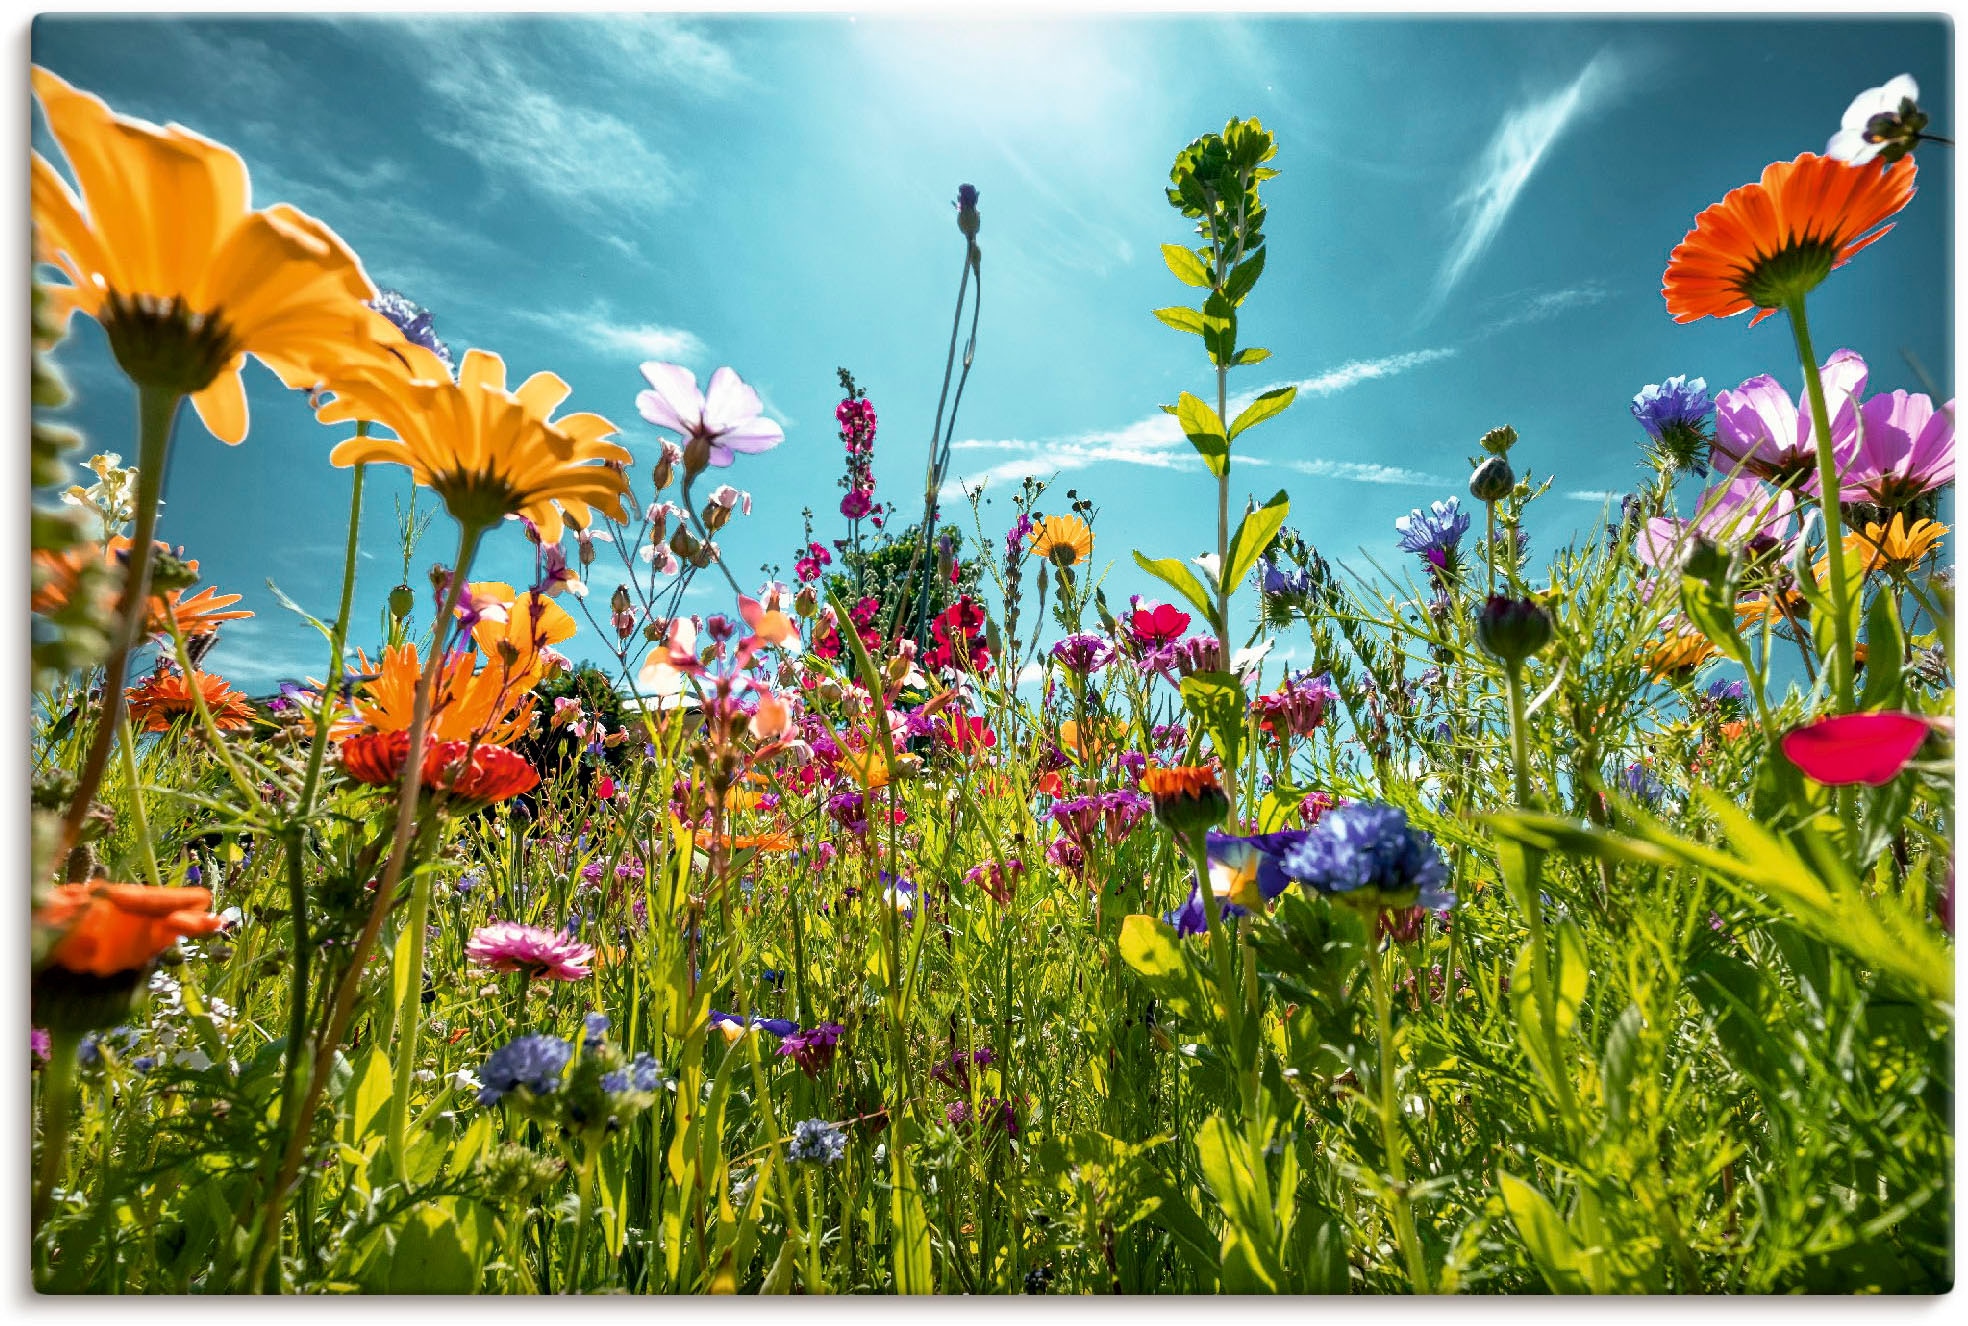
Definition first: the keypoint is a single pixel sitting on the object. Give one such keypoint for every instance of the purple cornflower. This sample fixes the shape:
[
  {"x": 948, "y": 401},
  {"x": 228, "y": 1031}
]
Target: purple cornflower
[
  {"x": 1083, "y": 654},
  {"x": 1275, "y": 582},
  {"x": 640, "y": 1075},
  {"x": 1639, "y": 783},
  {"x": 1727, "y": 694},
  {"x": 1366, "y": 853},
  {"x": 1437, "y": 530},
  {"x": 534, "y": 1062},
  {"x": 594, "y": 1029},
  {"x": 816, "y": 1141}
]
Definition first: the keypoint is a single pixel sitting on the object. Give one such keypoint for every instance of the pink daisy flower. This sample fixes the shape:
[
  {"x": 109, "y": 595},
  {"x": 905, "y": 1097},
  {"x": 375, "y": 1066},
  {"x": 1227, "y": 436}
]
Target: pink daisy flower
[{"x": 554, "y": 955}]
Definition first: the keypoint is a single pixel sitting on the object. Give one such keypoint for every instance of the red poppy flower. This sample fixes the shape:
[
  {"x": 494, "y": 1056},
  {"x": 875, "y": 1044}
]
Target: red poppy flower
[
  {"x": 1160, "y": 625},
  {"x": 492, "y": 773},
  {"x": 967, "y": 732},
  {"x": 1856, "y": 748}
]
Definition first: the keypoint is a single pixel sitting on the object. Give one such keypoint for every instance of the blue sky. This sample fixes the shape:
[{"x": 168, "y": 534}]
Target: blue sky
[{"x": 1470, "y": 229}]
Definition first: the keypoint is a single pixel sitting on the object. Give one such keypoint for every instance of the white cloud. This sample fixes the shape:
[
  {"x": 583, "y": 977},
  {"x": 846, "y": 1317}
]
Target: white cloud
[
  {"x": 1362, "y": 472},
  {"x": 1596, "y": 496},
  {"x": 1156, "y": 440},
  {"x": 1513, "y": 155},
  {"x": 599, "y": 329},
  {"x": 1539, "y": 305}
]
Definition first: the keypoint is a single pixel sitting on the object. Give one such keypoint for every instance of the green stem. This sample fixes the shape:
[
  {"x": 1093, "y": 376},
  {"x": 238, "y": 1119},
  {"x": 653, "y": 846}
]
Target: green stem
[
  {"x": 57, "y": 1095},
  {"x": 128, "y": 745},
  {"x": 157, "y": 409},
  {"x": 583, "y": 1219},
  {"x": 1532, "y": 902},
  {"x": 409, "y": 1020},
  {"x": 331, "y": 686},
  {"x": 1399, "y": 1208},
  {"x": 1841, "y": 663}
]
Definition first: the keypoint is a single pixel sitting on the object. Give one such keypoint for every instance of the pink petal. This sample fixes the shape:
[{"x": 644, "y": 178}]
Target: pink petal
[
  {"x": 729, "y": 402},
  {"x": 656, "y": 408},
  {"x": 753, "y": 436},
  {"x": 676, "y": 386},
  {"x": 1856, "y": 748}
]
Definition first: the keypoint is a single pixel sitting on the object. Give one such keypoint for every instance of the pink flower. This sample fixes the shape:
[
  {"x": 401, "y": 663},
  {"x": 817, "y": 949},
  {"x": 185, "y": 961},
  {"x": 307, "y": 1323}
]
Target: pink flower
[
  {"x": 1906, "y": 448},
  {"x": 1759, "y": 430},
  {"x": 553, "y": 955},
  {"x": 605, "y": 788},
  {"x": 857, "y": 503},
  {"x": 716, "y": 424},
  {"x": 1856, "y": 748}
]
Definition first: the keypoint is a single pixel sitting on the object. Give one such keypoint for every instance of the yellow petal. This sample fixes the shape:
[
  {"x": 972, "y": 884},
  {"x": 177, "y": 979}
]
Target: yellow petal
[{"x": 222, "y": 405}]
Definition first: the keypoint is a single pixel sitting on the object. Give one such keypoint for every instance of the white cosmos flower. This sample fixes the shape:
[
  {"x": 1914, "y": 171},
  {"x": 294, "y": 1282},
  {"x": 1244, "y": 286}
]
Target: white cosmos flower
[
  {"x": 1850, "y": 142},
  {"x": 728, "y": 417}
]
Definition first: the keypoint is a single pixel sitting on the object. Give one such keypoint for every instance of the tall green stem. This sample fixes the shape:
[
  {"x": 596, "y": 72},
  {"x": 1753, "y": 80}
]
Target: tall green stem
[
  {"x": 138, "y": 820},
  {"x": 1389, "y": 1107},
  {"x": 157, "y": 409},
  {"x": 409, "y": 1019},
  {"x": 57, "y": 1094},
  {"x": 1842, "y": 661},
  {"x": 1532, "y": 902}
]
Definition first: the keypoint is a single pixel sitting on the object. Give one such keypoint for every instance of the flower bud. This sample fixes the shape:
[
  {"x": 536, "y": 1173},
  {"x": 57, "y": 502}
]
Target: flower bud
[
  {"x": 666, "y": 465},
  {"x": 806, "y": 603},
  {"x": 1513, "y": 629},
  {"x": 653, "y": 630},
  {"x": 683, "y": 543},
  {"x": 1707, "y": 562},
  {"x": 1500, "y": 439},
  {"x": 1492, "y": 480},
  {"x": 401, "y": 600},
  {"x": 967, "y": 215},
  {"x": 696, "y": 455}
]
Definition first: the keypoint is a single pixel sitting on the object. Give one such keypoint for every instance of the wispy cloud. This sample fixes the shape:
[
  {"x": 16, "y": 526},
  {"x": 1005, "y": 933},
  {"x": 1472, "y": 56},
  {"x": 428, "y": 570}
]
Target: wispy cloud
[
  {"x": 1361, "y": 472},
  {"x": 1526, "y": 307},
  {"x": 1156, "y": 441},
  {"x": 1596, "y": 496},
  {"x": 1513, "y": 155},
  {"x": 599, "y": 329}
]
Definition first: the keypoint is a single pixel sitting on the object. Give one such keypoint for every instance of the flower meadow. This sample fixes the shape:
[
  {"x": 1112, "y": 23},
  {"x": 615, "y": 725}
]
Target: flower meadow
[{"x": 1581, "y": 920}]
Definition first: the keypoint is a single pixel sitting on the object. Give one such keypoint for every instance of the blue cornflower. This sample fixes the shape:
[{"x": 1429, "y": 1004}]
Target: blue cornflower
[
  {"x": 642, "y": 1074},
  {"x": 1366, "y": 852},
  {"x": 594, "y": 1027},
  {"x": 1727, "y": 694},
  {"x": 1273, "y": 581},
  {"x": 1189, "y": 918},
  {"x": 1437, "y": 530},
  {"x": 413, "y": 320},
  {"x": 1639, "y": 782},
  {"x": 534, "y": 1062},
  {"x": 1675, "y": 414},
  {"x": 818, "y": 1141}
]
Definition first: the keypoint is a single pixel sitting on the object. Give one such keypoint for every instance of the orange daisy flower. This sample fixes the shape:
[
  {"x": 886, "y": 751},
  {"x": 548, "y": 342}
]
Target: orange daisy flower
[
  {"x": 61, "y": 575},
  {"x": 113, "y": 928},
  {"x": 1188, "y": 798},
  {"x": 1775, "y": 240},
  {"x": 164, "y": 698},
  {"x": 467, "y": 702},
  {"x": 1678, "y": 655},
  {"x": 1062, "y": 540}
]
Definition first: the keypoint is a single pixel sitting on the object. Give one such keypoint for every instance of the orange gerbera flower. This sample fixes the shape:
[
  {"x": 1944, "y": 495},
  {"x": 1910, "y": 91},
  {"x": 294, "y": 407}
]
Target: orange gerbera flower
[
  {"x": 1773, "y": 241},
  {"x": 1897, "y": 547},
  {"x": 114, "y": 928},
  {"x": 1779, "y": 609},
  {"x": 772, "y": 841},
  {"x": 533, "y": 623},
  {"x": 1062, "y": 540},
  {"x": 466, "y": 702},
  {"x": 488, "y": 452},
  {"x": 160, "y": 247},
  {"x": 1188, "y": 798},
  {"x": 164, "y": 698},
  {"x": 62, "y": 574}
]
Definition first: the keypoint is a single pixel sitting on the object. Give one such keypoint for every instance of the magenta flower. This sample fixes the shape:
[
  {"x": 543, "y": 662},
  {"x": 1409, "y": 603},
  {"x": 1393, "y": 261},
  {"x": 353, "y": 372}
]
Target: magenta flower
[
  {"x": 1856, "y": 748},
  {"x": 1760, "y": 430},
  {"x": 1905, "y": 449},
  {"x": 858, "y": 503},
  {"x": 553, "y": 955},
  {"x": 1741, "y": 513},
  {"x": 714, "y": 425}
]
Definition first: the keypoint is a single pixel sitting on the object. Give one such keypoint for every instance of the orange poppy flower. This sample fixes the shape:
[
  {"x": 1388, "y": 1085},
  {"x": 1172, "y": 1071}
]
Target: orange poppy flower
[
  {"x": 163, "y": 698},
  {"x": 113, "y": 928},
  {"x": 1775, "y": 240}
]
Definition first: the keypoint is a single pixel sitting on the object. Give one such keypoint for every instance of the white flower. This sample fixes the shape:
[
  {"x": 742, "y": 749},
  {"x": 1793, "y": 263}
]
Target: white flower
[
  {"x": 196, "y": 1060},
  {"x": 464, "y": 1080},
  {"x": 1850, "y": 142},
  {"x": 727, "y": 419}
]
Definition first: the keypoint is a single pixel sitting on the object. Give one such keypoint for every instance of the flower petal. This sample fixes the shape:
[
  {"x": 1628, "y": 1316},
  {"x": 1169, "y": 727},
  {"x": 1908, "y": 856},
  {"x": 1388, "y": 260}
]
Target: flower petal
[{"x": 1856, "y": 748}]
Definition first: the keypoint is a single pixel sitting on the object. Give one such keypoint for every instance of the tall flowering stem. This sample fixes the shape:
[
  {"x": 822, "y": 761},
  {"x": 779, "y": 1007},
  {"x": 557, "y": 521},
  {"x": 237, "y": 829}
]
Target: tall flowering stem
[
  {"x": 1828, "y": 484},
  {"x": 1388, "y": 1106},
  {"x": 157, "y": 412}
]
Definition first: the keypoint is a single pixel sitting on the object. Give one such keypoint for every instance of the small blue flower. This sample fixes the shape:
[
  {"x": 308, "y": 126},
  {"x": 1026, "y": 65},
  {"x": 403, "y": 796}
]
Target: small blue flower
[
  {"x": 817, "y": 1141},
  {"x": 594, "y": 1028},
  {"x": 1367, "y": 852},
  {"x": 1189, "y": 918},
  {"x": 1437, "y": 530},
  {"x": 642, "y": 1074},
  {"x": 1275, "y": 582},
  {"x": 413, "y": 320},
  {"x": 1639, "y": 782},
  {"x": 1727, "y": 694},
  {"x": 1679, "y": 402},
  {"x": 534, "y": 1062}
]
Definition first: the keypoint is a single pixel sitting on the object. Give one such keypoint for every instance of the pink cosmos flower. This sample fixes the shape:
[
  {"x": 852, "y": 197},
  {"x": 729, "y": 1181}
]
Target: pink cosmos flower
[
  {"x": 715, "y": 424},
  {"x": 553, "y": 955},
  {"x": 1760, "y": 430},
  {"x": 1741, "y": 513},
  {"x": 1905, "y": 449},
  {"x": 1856, "y": 748}
]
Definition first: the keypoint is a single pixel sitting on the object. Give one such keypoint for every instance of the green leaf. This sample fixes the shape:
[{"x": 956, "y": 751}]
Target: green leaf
[
  {"x": 437, "y": 1248},
  {"x": 1243, "y": 277},
  {"x": 1188, "y": 268},
  {"x": 1182, "y": 318},
  {"x": 1543, "y": 1234},
  {"x": 1267, "y": 404},
  {"x": 910, "y": 1253},
  {"x": 367, "y": 1097},
  {"x": 1178, "y": 577},
  {"x": 1885, "y": 647},
  {"x": 1151, "y": 948},
  {"x": 1204, "y": 429},
  {"x": 1714, "y": 615},
  {"x": 1217, "y": 700},
  {"x": 1254, "y": 535},
  {"x": 1619, "y": 1060},
  {"x": 1568, "y": 982},
  {"x": 1250, "y": 355}
]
